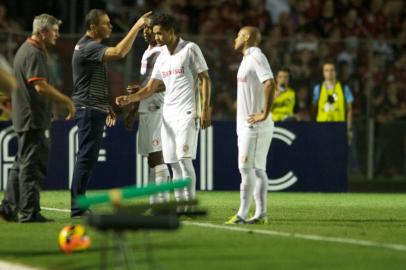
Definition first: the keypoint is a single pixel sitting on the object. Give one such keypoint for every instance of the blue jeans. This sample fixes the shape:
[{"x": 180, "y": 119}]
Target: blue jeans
[{"x": 90, "y": 124}]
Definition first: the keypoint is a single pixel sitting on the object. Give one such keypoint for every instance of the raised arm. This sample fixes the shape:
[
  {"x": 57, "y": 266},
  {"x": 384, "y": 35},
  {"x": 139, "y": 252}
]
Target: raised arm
[
  {"x": 124, "y": 46},
  {"x": 205, "y": 92}
]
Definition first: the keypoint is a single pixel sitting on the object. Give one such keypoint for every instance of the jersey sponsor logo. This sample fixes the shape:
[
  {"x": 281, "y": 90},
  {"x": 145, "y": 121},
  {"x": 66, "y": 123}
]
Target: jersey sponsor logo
[
  {"x": 175, "y": 71},
  {"x": 289, "y": 178}
]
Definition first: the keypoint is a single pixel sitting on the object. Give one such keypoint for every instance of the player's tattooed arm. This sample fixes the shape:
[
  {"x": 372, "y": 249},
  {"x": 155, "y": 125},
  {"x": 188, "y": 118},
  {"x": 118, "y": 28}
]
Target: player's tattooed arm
[{"x": 205, "y": 92}]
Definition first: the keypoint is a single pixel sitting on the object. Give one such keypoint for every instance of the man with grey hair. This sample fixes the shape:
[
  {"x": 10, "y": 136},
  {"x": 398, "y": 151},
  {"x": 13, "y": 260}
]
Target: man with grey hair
[{"x": 31, "y": 116}]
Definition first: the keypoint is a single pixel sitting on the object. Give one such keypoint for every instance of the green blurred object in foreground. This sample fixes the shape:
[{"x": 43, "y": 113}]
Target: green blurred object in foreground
[{"x": 115, "y": 196}]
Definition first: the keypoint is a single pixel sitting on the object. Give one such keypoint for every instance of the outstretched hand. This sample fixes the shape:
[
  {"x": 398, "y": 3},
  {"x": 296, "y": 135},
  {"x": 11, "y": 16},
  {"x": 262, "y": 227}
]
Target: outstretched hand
[{"x": 122, "y": 100}]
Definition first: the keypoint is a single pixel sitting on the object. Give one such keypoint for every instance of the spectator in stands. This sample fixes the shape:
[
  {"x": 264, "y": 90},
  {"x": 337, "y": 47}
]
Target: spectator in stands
[
  {"x": 284, "y": 103},
  {"x": 328, "y": 19},
  {"x": 303, "y": 107},
  {"x": 6, "y": 23},
  {"x": 276, "y": 8},
  {"x": 374, "y": 18},
  {"x": 390, "y": 114},
  {"x": 258, "y": 16}
]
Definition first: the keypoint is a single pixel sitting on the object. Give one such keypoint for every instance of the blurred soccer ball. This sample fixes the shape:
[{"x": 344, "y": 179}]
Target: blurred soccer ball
[{"x": 73, "y": 238}]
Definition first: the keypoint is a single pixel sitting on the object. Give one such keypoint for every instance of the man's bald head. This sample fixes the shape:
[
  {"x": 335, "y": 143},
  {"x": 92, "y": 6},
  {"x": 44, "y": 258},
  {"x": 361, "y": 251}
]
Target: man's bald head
[
  {"x": 253, "y": 33},
  {"x": 248, "y": 36}
]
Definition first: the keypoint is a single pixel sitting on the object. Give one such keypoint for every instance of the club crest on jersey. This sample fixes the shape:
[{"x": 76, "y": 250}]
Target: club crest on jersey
[
  {"x": 155, "y": 142},
  {"x": 185, "y": 148}
]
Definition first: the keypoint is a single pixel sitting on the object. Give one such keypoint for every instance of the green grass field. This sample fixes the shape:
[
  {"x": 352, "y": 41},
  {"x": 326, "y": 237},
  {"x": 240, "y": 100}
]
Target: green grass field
[{"x": 306, "y": 231}]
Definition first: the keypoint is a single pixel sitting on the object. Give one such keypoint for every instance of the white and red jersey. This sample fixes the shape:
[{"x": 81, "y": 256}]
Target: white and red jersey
[
  {"x": 253, "y": 71},
  {"x": 155, "y": 101},
  {"x": 179, "y": 73}
]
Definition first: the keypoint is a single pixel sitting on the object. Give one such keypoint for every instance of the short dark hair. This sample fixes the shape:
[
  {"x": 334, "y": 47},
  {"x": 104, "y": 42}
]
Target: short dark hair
[
  {"x": 329, "y": 62},
  {"x": 166, "y": 21},
  {"x": 284, "y": 69},
  {"x": 93, "y": 17}
]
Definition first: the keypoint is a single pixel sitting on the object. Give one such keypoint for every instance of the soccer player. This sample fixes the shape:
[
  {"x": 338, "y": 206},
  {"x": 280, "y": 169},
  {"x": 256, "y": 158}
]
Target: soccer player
[
  {"x": 255, "y": 94},
  {"x": 90, "y": 94},
  {"x": 31, "y": 115},
  {"x": 181, "y": 67},
  {"x": 150, "y": 116}
]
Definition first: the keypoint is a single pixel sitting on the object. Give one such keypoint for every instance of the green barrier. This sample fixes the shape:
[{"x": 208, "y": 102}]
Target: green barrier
[{"x": 116, "y": 196}]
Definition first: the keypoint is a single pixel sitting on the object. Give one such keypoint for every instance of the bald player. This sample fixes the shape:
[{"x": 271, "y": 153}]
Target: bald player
[{"x": 255, "y": 95}]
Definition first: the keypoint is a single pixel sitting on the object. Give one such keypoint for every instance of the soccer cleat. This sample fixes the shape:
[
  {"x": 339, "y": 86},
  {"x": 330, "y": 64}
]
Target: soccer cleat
[
  {"x": 7, "y": 215},
  {"x": 262, "y": 220},
  {"x": 235, "y": 220}
]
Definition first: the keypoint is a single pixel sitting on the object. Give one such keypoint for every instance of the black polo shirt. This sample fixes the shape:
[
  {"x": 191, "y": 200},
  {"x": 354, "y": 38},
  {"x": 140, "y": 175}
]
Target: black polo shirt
[
  {"x": 31, "y": 110},
  {"x": 89, "y": 75}
]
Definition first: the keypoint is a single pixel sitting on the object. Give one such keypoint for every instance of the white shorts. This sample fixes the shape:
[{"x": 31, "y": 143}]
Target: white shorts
[
  {"x": 253, "y": 147},
  {"x": 149, "y": 132},
  {"x": 179, "y": 139}
]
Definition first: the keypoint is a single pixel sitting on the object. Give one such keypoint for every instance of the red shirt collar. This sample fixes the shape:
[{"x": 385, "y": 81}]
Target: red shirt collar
[{"x": 37, "y": 44}]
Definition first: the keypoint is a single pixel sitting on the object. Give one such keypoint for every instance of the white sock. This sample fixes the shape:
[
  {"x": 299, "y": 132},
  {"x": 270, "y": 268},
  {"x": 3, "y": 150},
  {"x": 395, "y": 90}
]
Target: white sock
[
  {"x": 162, "y": 176},
  {"x": 261, "y": 193},
  {"x": 188, "y": 171},
  {"x": 246, "y": 191},
  {"x": 177, "y": 175},
  {"x": 151, "y": 180}
]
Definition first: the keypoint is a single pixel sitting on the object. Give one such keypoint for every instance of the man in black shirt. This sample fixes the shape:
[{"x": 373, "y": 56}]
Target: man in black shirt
[
  {"x": 91, "y": 94},
  {"x": 31, "y": 116}
]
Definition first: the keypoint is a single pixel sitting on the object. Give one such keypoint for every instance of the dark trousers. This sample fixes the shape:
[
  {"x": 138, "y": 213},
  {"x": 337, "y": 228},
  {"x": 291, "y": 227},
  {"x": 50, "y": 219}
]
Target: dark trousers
[
  {"x": 29, "y": 168},
  {"x": 90, "y": 132}
]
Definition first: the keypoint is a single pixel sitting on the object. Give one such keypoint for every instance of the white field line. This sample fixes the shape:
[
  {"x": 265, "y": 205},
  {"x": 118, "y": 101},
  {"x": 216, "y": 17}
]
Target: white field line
[
  {"x": 55, "y": 209},
  {"x": 13, "y": 266},
  {"x": 397, "y": 247},
  {"x": 313, "y": 237}
]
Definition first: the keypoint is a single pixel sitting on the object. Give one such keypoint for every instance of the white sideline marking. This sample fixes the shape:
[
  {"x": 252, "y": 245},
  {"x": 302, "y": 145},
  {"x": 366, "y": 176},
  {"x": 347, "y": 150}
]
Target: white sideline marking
[
  {"x": 357, "y": 242},
  {"x": 13, "y": 266},
  {"x": 55, "y": 209}
]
